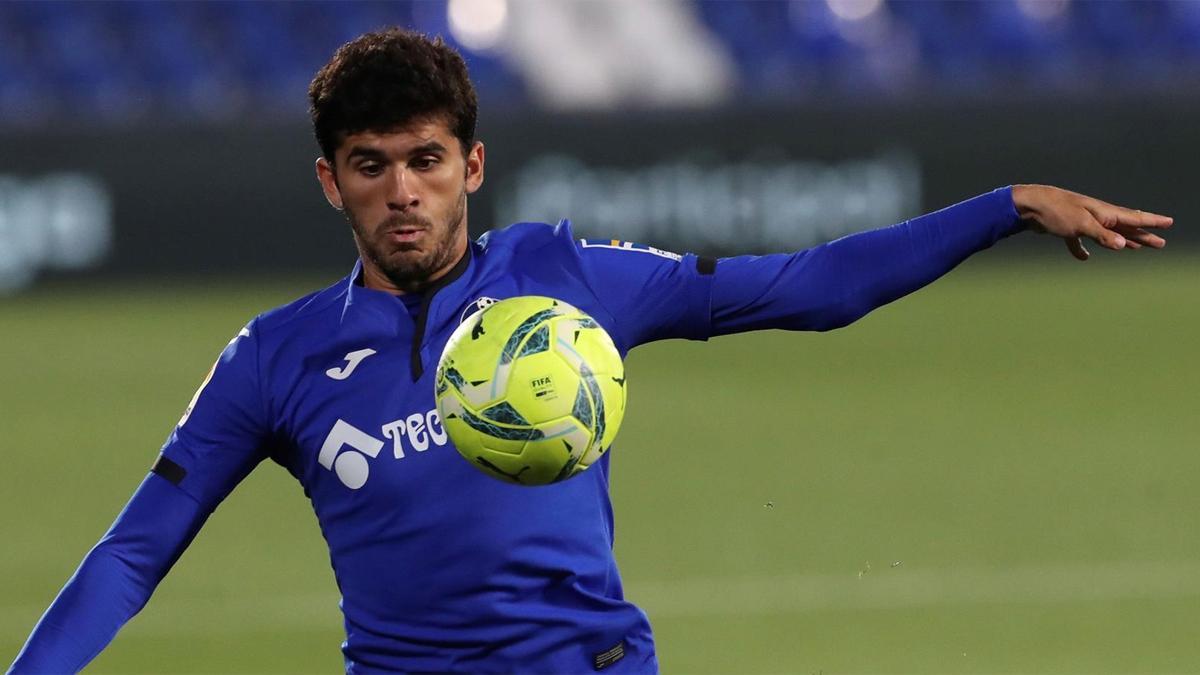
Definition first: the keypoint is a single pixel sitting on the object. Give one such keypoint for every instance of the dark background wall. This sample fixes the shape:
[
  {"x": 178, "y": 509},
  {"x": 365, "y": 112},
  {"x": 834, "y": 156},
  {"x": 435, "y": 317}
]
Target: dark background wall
[{"x": 218, "y": 199}]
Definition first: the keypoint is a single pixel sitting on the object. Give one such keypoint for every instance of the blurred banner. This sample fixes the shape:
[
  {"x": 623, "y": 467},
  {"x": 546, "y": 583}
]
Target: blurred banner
[{"x": 236, "y": 199}]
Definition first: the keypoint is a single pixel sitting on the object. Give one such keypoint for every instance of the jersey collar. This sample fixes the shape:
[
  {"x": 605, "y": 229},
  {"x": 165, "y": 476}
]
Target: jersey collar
[
  {"x": 360, "y": 297},
  {"x": 358, "y": 293}
]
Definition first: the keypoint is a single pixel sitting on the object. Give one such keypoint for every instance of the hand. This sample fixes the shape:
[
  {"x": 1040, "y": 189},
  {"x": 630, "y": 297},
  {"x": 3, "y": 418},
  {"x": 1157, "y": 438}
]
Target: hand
[{"x": 1074, "y": 216}]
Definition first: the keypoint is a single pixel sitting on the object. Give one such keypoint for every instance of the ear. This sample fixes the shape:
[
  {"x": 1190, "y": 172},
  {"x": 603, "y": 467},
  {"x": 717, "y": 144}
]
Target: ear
[
  {"x": 329, "y": 184},
  {"x": 475, "y": 167}
]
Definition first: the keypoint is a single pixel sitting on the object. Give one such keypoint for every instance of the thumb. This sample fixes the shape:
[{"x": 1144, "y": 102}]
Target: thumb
[{"x": 1077, "y": 249}]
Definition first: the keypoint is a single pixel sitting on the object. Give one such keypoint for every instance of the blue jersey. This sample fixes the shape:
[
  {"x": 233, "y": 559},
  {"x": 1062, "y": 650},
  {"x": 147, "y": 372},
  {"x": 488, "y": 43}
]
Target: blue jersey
[{"x": 442, "y": 568}]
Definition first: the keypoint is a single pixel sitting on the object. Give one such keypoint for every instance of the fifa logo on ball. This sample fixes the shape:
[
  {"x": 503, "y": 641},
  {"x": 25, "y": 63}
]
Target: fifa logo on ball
[{"x": 543, "y": 388}]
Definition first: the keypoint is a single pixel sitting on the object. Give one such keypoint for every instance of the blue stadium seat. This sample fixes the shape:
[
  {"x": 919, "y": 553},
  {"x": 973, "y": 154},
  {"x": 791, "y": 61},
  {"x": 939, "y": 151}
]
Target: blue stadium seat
[{"x": 126, "y": 60}]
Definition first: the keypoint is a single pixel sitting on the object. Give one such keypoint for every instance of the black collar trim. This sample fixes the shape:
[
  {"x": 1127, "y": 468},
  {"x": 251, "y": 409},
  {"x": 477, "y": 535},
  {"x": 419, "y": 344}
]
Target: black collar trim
[{"x": 460, "y": 267}]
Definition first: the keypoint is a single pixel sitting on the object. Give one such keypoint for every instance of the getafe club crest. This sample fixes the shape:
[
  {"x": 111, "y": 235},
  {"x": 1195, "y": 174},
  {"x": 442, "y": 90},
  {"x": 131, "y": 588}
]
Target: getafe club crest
[{"x": 477, "y": 306}]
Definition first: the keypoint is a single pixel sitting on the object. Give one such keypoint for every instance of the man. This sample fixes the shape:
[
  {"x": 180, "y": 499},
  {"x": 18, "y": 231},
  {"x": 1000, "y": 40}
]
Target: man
[{"x": 441, "y": 568}]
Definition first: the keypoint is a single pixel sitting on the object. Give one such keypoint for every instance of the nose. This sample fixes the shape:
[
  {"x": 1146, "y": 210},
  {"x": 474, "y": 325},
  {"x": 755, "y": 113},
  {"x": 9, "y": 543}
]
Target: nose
[{"x": 402, "y": 193}]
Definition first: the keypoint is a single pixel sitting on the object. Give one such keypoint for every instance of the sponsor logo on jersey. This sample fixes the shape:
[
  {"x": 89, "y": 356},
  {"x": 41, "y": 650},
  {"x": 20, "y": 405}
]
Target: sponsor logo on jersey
[
  {"x": 347, "y": 448},
  {"x": 476, "y": 306},
  {"x": 352, "y": 360},
  {"x": 629, "y": 246}
]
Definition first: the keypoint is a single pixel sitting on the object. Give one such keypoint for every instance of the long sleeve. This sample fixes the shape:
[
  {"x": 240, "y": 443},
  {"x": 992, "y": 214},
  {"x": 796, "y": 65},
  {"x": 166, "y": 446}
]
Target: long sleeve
[
  {"x": 115, "y": 579},
  {"x": 216, "y": 444},
  {"x": 834, "y": 284}
]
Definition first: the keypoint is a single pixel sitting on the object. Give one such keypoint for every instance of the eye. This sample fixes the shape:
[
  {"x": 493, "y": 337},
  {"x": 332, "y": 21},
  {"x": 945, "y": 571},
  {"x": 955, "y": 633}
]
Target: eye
[
  {"x": 424, "y": 163},
  {"x": 370, "y": 168}
]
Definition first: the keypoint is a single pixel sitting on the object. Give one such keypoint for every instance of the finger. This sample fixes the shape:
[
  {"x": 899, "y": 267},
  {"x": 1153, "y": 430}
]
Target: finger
[
  {"x": 1106, "y": 237},
  {"x": 1137, "y": 234},
  {"x": 1144, "y": 218},
  {"x": 1131, "y": 244},
  {"x": 1112, "y": 216},
  {"x": 1077, "y": 249}
]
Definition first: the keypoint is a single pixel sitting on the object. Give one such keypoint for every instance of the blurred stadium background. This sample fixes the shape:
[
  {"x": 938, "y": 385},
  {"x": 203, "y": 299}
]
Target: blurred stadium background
[{"x": 993, "y": 475}]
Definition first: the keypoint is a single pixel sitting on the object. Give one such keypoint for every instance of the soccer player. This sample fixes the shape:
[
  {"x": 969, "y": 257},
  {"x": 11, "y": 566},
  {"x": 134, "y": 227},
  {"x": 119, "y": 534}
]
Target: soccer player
[{"x": 441, "y": 568}]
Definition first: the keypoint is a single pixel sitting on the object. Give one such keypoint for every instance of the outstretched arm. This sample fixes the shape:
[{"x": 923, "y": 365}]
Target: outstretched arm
[
  {"x": 216, "y": 444},
  {"x": 832, "y": 285},
  {"x": 654, "y": 295},
  {"x": 115, "y": 579}
]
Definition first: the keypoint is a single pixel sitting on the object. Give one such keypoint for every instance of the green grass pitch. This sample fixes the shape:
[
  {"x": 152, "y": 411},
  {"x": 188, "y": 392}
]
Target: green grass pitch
[{"x": 997, "y": 474}]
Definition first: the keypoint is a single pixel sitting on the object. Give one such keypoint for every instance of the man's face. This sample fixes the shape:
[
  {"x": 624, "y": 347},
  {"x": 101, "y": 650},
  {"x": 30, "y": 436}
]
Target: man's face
[{"x": 404, "y": 193}]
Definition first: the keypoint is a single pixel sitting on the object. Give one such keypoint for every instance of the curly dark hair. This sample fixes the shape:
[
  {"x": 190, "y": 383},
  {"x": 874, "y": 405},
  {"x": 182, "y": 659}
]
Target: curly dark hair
[{"x": 387, "y": 79}]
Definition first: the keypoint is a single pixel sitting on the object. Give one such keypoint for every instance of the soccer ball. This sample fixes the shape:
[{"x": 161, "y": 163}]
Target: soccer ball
[{"x": 531, "y": 390}]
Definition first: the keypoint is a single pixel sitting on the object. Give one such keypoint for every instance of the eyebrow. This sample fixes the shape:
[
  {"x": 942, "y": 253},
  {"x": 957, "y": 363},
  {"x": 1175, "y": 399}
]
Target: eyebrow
[
  {"x": 361, "y": 151},
  {"x": 427, "y": 148}
]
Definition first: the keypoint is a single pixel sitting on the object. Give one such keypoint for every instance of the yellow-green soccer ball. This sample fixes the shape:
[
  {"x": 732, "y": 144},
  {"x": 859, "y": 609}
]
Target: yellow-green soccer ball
[{"x": 531, "y": 390}]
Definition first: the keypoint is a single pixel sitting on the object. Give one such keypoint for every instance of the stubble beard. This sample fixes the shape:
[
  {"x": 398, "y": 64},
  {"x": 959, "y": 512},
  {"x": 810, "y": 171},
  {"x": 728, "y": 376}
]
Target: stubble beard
[{"x": 407, "y": 267}]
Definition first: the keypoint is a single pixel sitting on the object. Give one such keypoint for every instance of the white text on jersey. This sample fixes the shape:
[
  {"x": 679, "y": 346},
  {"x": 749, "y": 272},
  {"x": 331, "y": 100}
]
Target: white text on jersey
[{"x": 351, "y": 466}]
